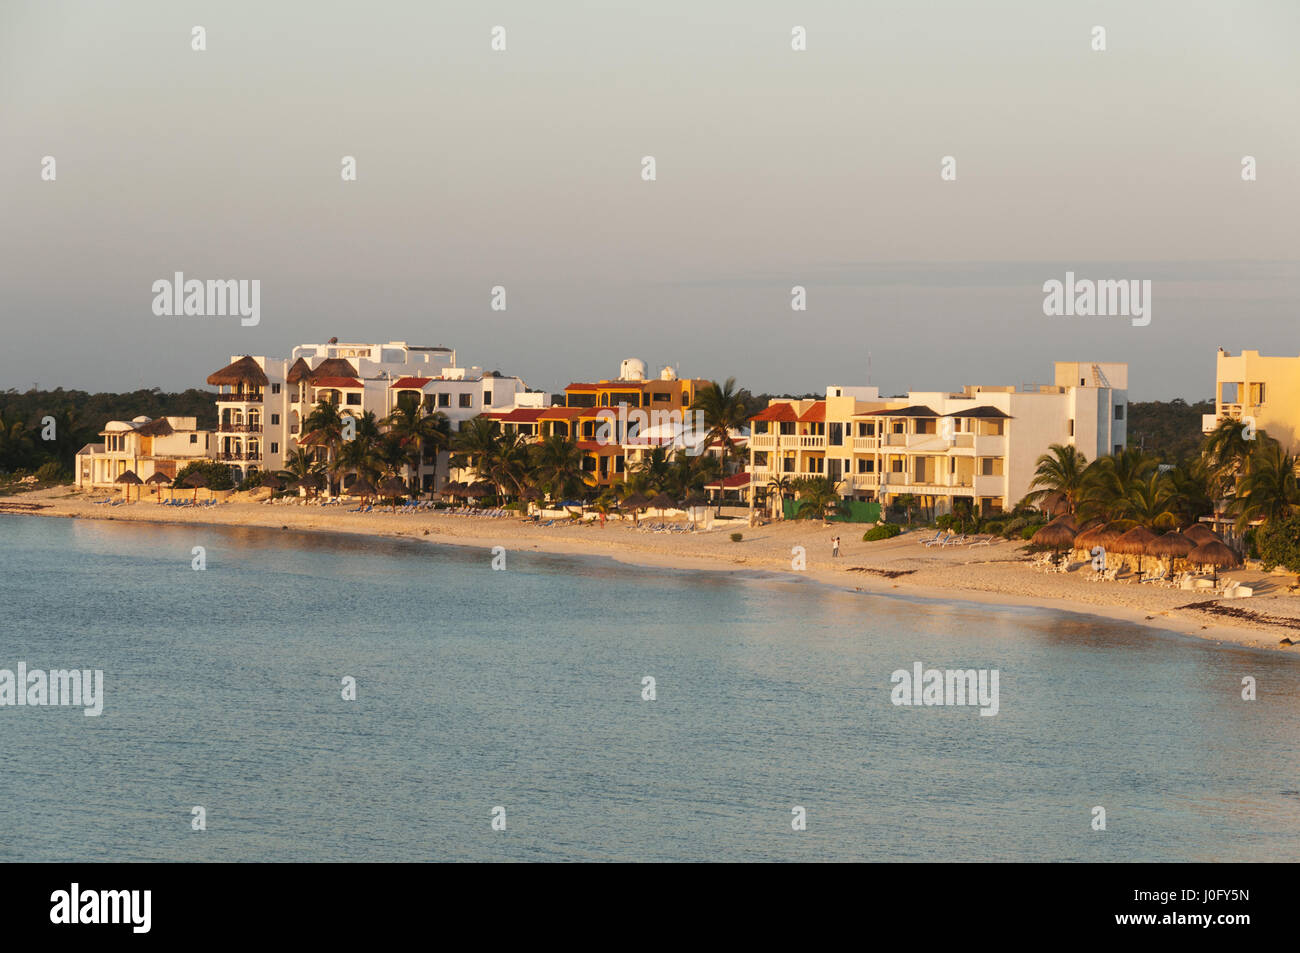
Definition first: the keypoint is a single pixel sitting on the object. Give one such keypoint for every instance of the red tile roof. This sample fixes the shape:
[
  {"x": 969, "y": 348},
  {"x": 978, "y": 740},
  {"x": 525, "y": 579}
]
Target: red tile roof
[
  {"x": 567, "y": 413},
  {"x": 595, "y": 446},
  {"x": 582, "y": 387},
  {"x": 519, "y": 415},
  {"x": 729, "y": 483},
  {"x": 336, "y": 382},
  {"x": 814, "y": 414},
  {"x": 777, "y": 412},
  {"x": 410, "y": 383}
]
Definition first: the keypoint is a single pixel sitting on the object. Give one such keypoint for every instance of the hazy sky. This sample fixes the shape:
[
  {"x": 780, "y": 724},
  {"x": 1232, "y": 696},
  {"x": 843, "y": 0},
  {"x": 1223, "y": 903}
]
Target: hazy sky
[{"x": 774, "y": 168}]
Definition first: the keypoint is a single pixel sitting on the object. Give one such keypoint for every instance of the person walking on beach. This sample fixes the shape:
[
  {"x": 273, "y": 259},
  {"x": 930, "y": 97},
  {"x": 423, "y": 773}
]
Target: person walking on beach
[{"x": 835, "y": 546}]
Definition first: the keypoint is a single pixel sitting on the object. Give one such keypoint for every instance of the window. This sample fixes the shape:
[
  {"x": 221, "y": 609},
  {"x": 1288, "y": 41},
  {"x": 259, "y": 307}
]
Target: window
[
  {"x": 487, "y": 398},
  {"x": 898, "y": 426},
  {"x": 194, "y": 438},
  {"x": 1119, "y": 448},
  {"x": 1229, "y": 393},
  {"x": 896, "y": 465},
  {"x": 1119, "y": 411},
  {"x": 760, "y": 426},
  {"x": 1071, "y": 426},
  {"x": 662, "y": 398},
  {"x": 815, "y": 465},
  {"x": 465, "y": 400},
  {"x": 1256, "y": 394},
  {"x": 275, "y": 419},
  {"x": 275, "y": 448},
  {"x": 275, "y": 388},
  {"x": 444, "y": 400},
  {"x": 354, "y": 400}
]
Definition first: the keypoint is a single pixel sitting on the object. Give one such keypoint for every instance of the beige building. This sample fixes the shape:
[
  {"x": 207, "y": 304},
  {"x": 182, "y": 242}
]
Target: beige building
[
  {"x": 144, "y": 447},
  {"x": 1262, "y": 390},
  {"x": 981, "y": 443}
]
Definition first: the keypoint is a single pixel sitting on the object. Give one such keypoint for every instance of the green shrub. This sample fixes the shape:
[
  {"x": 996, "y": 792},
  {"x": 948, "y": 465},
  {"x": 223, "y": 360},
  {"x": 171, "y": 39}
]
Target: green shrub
[
  {"x": 883, "y": 531},
  {"x": 737, "y": 537},
  {"x": 50, "y": 473},
  {"x": 1030, "y": 530},
  {"x": 994, "y": 527},
  {"x": 945, "y": 521},
  {"x": 217, "y": 474},
  {"x": 1278, "y": 543}
]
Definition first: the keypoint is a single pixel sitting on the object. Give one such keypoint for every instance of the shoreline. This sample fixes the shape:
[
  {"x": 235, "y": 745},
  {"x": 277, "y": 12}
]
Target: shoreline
[{"x": 995, "y": 576}]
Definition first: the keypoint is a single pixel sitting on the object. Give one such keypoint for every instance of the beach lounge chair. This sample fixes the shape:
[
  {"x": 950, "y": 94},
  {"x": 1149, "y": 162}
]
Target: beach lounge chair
[{"x": 933, "y": 539}]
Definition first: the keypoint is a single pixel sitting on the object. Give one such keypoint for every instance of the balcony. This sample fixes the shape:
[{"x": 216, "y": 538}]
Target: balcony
[
  {"x": 763, "y": 441},
  {"x": 239, "y": 428},
  {"x": 240, "y": 397},
  {"x": 812, "y": 442},
  {"x": 861, "y": 444},
  {"x": 238, "y": 457}
]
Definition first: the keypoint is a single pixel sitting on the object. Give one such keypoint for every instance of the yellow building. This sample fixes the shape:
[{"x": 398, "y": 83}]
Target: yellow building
[{"x": 1264, "y": 391}]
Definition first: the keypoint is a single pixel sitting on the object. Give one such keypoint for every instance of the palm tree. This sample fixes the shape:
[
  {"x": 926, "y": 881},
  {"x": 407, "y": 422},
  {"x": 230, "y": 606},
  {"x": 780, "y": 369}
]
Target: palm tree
[
  {"x": 1108, "y": 484},
  {"x": 1226, "y": 454},
  {"x": 1060, "y": 471},
  {"x": 908, "y": 502},
  {"x": 1150, "y": 501},
  {"x": 724, "y": 409},
  {"x": 654, "y": 467},
  {"x": 475, "y": 444},
  {"x": 324, "y": 428},
  {"x": 782, "y": 486},
  {"x": 819, "y": 495},
  {"x": 1268, "y": 489},
  {"x": 557, "y": 466},
  {"x": 419, "y": 430}
]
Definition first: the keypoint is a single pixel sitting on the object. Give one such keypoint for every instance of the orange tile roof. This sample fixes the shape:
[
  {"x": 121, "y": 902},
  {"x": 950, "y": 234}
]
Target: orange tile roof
[
  {"x": 581, "y": 387},
  {"x": 566, "y": 413},
  {"x": 519, "y": 415},
  {"x": 815, "y": 414},
  {"x": 777, "y": 412}
]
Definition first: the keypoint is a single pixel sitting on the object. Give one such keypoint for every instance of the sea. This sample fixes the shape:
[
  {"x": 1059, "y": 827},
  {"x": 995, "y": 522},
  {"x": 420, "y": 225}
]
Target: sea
[{"x": 273, "y": 695}]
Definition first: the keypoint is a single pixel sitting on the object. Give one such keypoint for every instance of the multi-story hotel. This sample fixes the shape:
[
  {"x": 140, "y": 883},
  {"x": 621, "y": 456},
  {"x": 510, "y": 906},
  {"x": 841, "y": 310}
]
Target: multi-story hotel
[
  {"x": 263, "y": 401},
  {"x": 144, "y": 447},
  {"x": 1265, "y": 390},
  {"x": 982, "y": 443},
  {"x": 585, "y": 416}
]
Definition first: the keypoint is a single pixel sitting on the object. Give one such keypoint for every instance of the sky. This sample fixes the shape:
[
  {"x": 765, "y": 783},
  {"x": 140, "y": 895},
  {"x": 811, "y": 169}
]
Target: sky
[{"x": 522, "y": 168}]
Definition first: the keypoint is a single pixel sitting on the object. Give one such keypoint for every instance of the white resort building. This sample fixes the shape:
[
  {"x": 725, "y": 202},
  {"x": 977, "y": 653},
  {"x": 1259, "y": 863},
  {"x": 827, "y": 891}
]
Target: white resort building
[
  {"x": 981, "y": 443},
  {"x": 263, "y": 401}
]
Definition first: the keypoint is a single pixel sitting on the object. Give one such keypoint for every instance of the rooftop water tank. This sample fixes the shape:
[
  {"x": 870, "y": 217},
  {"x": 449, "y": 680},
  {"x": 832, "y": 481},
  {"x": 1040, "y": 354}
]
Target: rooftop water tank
[
  {"x": 668, "y": 374},
  {"x": 632, "y": 369}
]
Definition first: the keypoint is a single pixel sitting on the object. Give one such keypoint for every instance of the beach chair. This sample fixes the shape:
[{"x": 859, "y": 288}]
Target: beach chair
[
  {"x": 933, "y": 539},
  {"x": 954, "y": 541}
]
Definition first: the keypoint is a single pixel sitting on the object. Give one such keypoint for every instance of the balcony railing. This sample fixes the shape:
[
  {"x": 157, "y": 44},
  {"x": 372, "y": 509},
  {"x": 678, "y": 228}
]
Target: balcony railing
[
  {"x": 238, "y": 457},
  {"x": 240, "y": 397},
  {"x": 239, "y": 428},
  {"x": 866, "y": 443},
  {"x": 813, "y": 441}
]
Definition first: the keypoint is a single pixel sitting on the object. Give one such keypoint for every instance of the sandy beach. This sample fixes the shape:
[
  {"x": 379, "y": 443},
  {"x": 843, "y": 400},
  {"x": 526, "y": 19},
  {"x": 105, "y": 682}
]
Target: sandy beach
[{"x": 999, "y": 574}]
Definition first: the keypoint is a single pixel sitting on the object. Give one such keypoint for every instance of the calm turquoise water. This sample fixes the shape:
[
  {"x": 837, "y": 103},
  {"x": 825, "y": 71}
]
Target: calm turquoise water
[{"x": 523, "y": 689}]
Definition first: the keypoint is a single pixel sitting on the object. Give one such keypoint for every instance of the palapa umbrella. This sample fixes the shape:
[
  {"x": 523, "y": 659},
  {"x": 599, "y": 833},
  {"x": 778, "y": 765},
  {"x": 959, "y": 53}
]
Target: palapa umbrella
[
  {"x": 312, "y": 481},
  {"x": 1056, "y": 535},
  {"x": 1172, "y": 544},
  {"x": 661, "y": 502},
  {"x": 361, "y": 487},
  {"x": 1214, "y": 553},
  {"x": 1200, "y": 533},
  {"x": 158, "y": 479},
  {"x": 271, "y": 481},
  {"x": 393, "y": 487},
  {"x": 196, "y": 480},
  {"x": 634, "y": 502},
  {"x": 1136, "y": 542},
  {"x": 129, "y": 479}
]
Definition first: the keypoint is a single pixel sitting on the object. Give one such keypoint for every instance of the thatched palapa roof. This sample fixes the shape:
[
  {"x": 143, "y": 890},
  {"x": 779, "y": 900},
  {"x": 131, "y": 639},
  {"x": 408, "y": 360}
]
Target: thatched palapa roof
[
  {"x": 333, "y": 367},
  {"x": 300, "y": 371},
  {"x": 155, "y": 428},
  {"x": 244, "y": 371}
]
